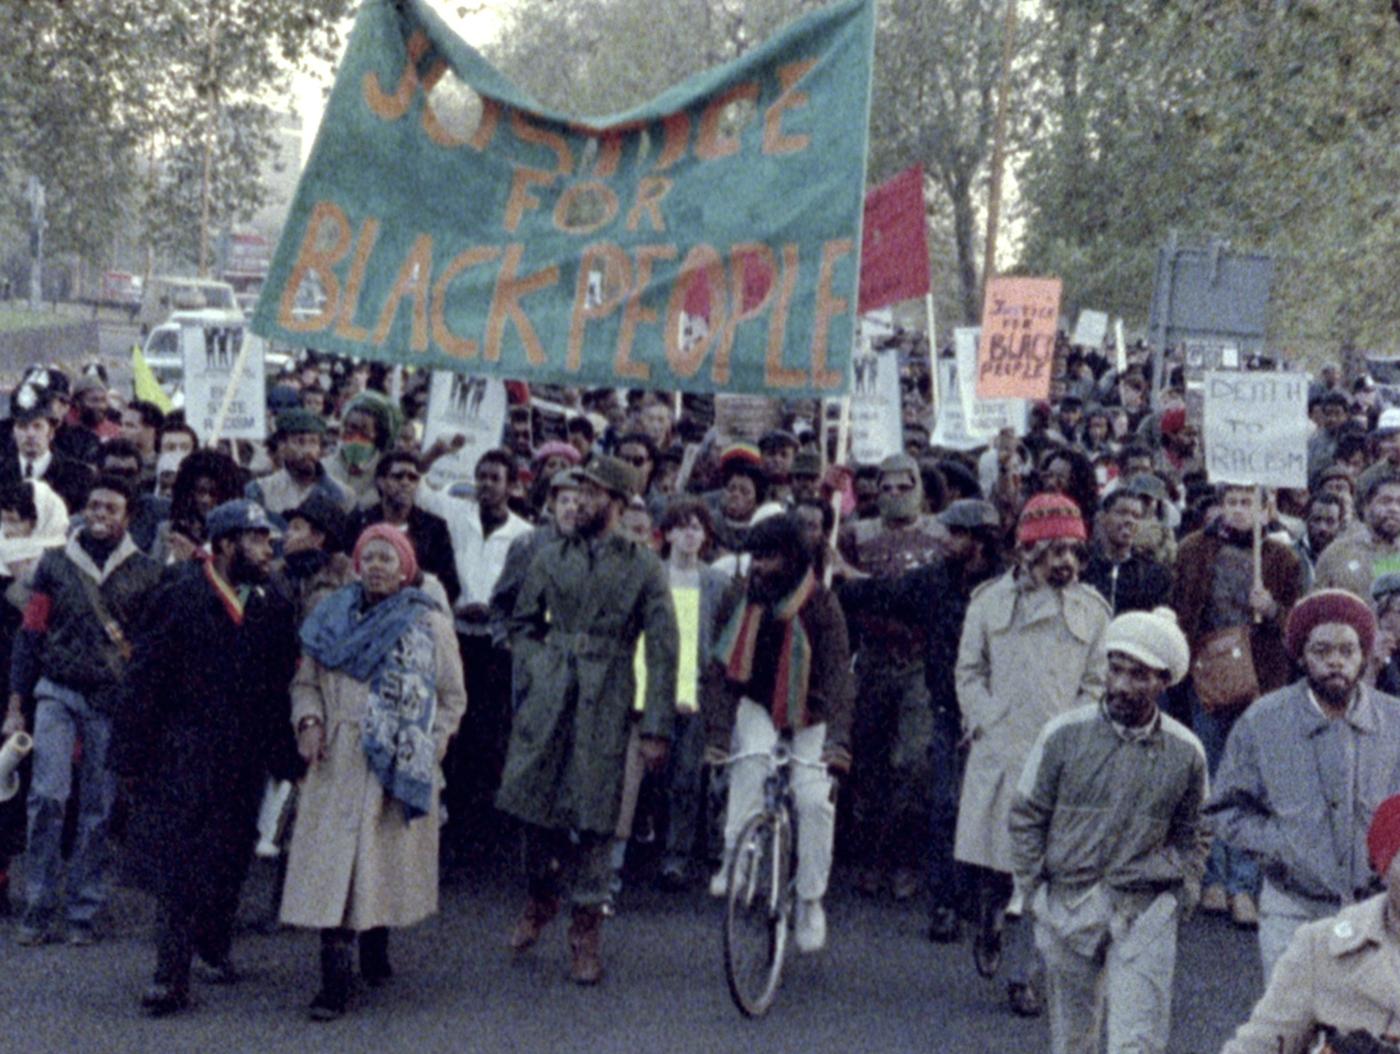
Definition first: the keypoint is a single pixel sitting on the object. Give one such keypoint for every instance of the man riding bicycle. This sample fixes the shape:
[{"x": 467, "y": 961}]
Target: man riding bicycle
[{"x": 781, "y": 666}]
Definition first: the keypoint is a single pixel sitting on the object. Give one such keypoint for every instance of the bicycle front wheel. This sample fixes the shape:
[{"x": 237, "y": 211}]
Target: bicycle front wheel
[{"x": 756, "y": 913}]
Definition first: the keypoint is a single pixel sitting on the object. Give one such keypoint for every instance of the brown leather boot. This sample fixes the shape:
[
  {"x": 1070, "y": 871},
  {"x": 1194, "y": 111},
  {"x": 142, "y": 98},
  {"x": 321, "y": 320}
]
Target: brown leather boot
[
  {"x": 585, "y": 945},
  {"x": 538, "y": 911}
]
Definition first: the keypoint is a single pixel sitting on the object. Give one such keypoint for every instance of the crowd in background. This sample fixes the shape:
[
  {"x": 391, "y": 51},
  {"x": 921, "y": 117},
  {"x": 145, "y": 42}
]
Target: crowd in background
[{"x": 980, "y": 596}]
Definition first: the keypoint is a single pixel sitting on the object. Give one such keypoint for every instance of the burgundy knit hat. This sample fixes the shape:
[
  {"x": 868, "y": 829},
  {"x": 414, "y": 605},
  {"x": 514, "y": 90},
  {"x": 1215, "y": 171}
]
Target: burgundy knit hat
[
  {"x": 1322, "y": 607},
  {"x": 1383, "y": 839},
  {"x": 382, "y": 532},
  {"x": 1049, "y": 516}
]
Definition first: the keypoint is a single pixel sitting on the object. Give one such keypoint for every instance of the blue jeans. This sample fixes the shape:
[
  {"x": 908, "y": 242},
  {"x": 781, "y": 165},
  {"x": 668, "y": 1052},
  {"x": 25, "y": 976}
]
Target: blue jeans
[
  {"x": 1235, "y": 870},
  {"x": 61, "y": 717}
]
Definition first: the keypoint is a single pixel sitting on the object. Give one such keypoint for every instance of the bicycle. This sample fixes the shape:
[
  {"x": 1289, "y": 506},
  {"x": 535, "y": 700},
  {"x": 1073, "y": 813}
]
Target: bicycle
[{"x": 761, "y": 889}]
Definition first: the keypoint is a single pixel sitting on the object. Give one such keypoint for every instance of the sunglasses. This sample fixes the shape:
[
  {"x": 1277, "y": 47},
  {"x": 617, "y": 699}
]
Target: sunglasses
[{"x": 405, "y": 477}]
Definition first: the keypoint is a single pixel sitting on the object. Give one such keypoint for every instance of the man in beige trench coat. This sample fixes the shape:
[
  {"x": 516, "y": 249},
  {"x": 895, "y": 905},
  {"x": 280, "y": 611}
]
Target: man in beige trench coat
[{"x": 1032, "y": 649}]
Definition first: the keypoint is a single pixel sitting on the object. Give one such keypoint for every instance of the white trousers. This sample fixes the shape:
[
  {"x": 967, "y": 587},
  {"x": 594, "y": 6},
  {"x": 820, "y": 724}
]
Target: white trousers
[
  {"x": 812, "y": 792},
  {"x": 1130, "y": 968}
]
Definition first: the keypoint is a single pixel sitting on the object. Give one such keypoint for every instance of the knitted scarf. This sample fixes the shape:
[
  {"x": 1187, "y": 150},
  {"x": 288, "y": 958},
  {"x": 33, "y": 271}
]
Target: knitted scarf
[
  {"x": 390, "y": 646},
  {"x": 736, "y": 645}
]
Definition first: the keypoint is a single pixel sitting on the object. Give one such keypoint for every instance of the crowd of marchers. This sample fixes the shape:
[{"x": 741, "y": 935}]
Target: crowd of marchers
[{"x": 1070, "y": 692}]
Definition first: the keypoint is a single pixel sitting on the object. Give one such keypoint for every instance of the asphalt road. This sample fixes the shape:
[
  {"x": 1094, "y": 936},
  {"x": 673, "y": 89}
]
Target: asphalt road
[{"x": 879, "y": 987}]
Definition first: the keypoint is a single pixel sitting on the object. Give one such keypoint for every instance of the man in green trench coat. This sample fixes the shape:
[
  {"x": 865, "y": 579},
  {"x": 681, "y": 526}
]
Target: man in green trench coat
[{"x": 585, "y": 601}]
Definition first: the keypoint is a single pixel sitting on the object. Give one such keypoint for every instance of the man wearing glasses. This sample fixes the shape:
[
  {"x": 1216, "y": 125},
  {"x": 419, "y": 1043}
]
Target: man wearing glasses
[{"x": 397, "y": 477}]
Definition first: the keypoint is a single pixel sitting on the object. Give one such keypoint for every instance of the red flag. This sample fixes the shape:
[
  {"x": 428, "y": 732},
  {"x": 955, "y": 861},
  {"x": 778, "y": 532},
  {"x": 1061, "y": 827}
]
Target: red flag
[{"x": 894, "y": 246}]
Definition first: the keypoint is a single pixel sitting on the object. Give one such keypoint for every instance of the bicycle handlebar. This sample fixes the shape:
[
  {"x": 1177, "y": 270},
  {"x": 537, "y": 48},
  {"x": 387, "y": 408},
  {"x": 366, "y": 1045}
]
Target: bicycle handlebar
[{"x": 779, "y": 755}]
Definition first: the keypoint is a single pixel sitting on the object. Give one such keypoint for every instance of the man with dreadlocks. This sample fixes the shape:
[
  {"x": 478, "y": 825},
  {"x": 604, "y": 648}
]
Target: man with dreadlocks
[{"x": 781, "y": 669}]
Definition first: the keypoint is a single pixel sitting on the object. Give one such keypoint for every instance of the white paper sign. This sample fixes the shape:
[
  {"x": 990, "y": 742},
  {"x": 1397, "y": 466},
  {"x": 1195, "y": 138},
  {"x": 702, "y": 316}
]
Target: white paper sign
[
  {"x": 1256, "y": 428},
  {"x": 1091, "y": 330},
  {"x": 950, "y": 426},
  {"x": 459, "y": 404},
  {"x": 877, "y": 420},
  {"x": 210, "y": 355},
  {"x": 985, "y": 417}
]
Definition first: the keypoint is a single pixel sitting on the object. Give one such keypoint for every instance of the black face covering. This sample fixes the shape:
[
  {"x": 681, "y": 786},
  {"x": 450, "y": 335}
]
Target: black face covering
[{"x": 305, "y": 563}]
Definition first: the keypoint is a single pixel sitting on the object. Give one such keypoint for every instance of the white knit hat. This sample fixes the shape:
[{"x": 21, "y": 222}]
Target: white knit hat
[{"x": 1153, "y": 639}]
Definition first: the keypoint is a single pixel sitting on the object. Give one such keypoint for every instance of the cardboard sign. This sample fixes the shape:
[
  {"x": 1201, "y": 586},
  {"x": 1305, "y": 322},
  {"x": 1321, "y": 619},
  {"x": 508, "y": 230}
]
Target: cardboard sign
[
  {"x": 459, "y": 404},
  {"x": 211, "y": 354},
  {"x": 1091, "y": 330},
  {"x": 1256, "y": 428},
  {"x": 877, "y": 420},
  {"x": 522, "y": 242},
  {"x": 1016, "y": 353}
]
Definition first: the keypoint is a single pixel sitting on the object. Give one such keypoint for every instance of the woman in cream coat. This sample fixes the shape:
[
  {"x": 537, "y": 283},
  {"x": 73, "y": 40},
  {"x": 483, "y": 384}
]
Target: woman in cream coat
[{"x": 374, "y": 703}]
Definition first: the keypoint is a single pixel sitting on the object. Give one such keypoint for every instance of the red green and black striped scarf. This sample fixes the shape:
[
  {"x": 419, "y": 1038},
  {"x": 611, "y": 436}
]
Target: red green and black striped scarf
[{"x": 735, "y": 649}]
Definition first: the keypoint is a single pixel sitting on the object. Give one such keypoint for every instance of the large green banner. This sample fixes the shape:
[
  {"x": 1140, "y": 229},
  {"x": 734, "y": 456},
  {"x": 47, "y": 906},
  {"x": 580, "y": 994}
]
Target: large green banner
[{"x": 708, "y": 240}]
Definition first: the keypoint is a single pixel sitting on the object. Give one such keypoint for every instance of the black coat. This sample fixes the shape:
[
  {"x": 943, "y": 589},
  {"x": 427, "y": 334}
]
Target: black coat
[
  {"x": 207, "y": 718},
  {"x": 432, "y": 543},
  {"x": 934, "y": 597},
  {"x": 1140, "y": 584},
  {"x": 70, "y": 479}
]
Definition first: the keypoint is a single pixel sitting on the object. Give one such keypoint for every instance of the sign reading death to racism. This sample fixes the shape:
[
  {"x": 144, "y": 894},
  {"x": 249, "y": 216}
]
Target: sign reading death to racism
[
  {"x": 1256, "y": 428},
  {"x": 462, "y": 405},
  {"x": 707, "y": 240},
  {"x": 1016, "y": 354},
  {"x": 217, "y": 358}
]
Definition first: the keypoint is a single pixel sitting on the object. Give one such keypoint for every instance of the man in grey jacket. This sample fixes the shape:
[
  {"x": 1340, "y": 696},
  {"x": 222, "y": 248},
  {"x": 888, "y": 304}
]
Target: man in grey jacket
[
  {"x": 1108, "y": 844},
  {"x": 1305, "y": 767}
]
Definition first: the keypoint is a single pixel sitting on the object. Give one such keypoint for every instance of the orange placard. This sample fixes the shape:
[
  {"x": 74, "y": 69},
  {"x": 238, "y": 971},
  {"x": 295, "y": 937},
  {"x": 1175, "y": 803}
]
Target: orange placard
[{"x": 1017, "y": 351}]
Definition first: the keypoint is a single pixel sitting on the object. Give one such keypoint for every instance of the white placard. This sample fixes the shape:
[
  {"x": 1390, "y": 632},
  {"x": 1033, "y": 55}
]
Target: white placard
[
  {"x": 984, "y": 417},
  {"x": 459, "y": 404},
  {"x": 210, "y": 354},
  {"x": 951, "y": 429},
  {"x": 1120, "y": 347},
  {"x": 1091, "y": 329},
  {"x": 950, "y": 425},
  {"x": 1256, "y": 428},
  {"x": 877, "y": 418}
]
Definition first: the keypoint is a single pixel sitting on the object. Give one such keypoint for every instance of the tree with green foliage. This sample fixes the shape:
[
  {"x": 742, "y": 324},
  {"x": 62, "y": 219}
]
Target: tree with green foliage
[
  {"x": 1271, "y": 125},
  {"x": 96, "y": 97}
]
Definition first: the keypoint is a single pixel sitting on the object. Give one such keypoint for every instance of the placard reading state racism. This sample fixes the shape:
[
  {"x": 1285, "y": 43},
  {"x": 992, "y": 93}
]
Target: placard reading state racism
[
  {"x": 1016, "y": 354},
  {"x": 217, "y": 358},
  {"x": 1256, "y": 428},
  {"x": 877, "y": 422},
  {"x": 524, "y": 243}
]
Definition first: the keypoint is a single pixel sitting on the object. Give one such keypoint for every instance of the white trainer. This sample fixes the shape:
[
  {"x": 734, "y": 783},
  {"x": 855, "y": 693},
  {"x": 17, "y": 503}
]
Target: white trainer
[
  {"x": 719, "y": 882},
  {"x": 810, "y": 930}
]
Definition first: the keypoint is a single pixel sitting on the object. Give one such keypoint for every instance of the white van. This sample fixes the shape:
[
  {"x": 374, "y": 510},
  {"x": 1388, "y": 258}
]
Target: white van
[{"x": 164, "y": 295}]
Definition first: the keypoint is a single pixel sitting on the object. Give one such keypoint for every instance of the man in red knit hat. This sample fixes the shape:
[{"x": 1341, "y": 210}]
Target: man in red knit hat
[
  {"x": 1302, "y": 767},
  {"x": 1032, "y": 648}
]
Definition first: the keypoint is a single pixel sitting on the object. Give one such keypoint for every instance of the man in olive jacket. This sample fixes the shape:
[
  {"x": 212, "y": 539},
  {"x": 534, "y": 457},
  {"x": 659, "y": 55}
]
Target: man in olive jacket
[{"x": 585, "y": 601}]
